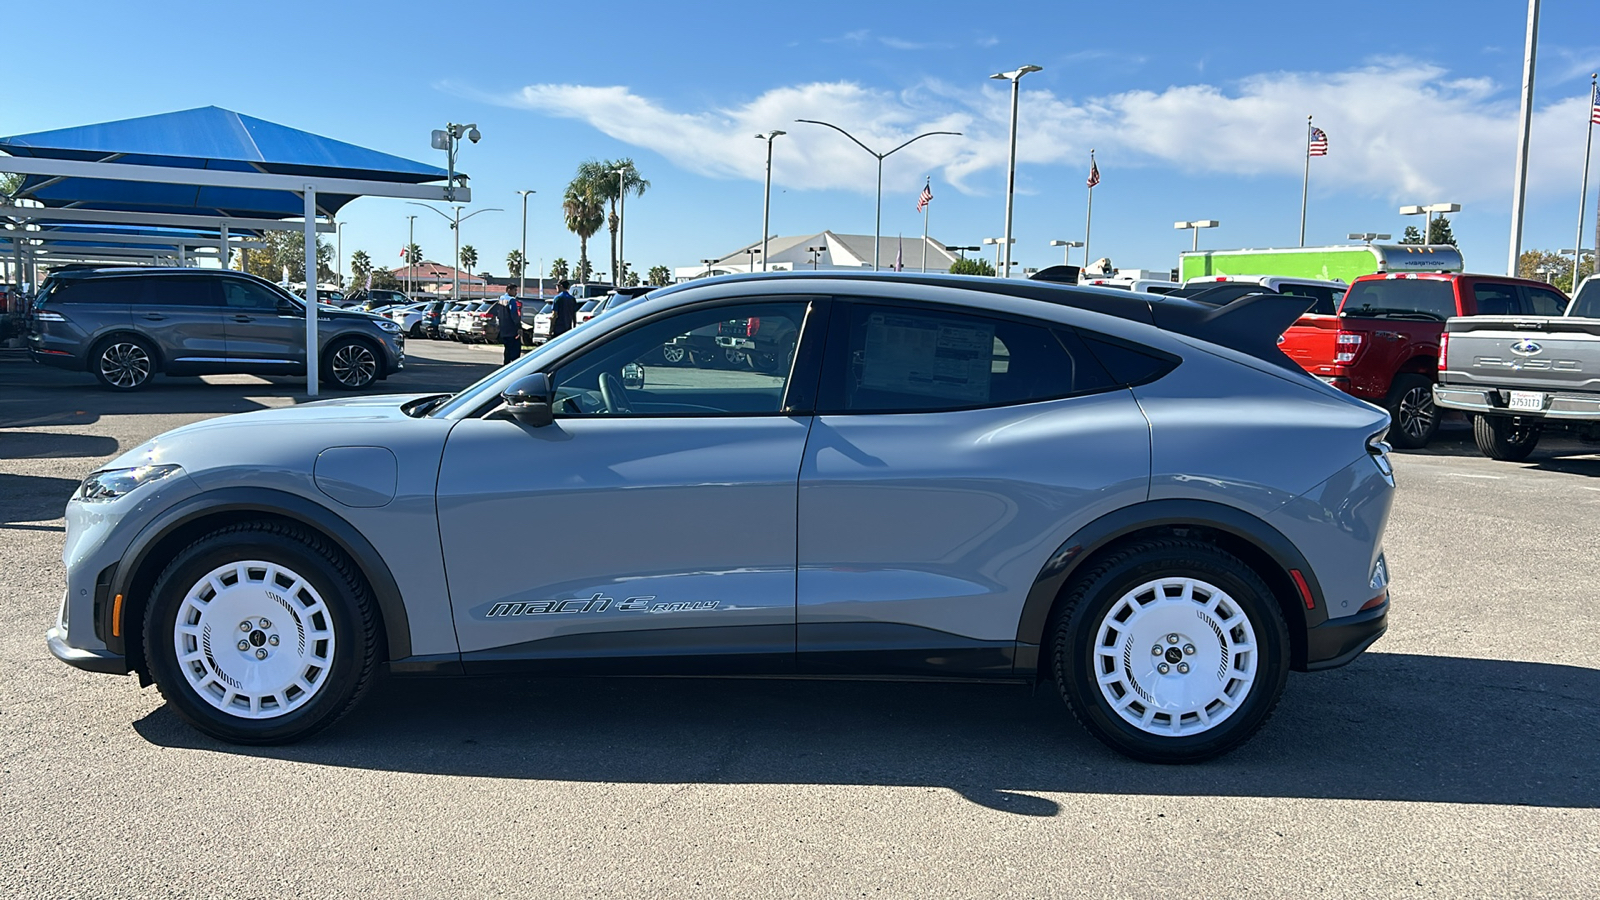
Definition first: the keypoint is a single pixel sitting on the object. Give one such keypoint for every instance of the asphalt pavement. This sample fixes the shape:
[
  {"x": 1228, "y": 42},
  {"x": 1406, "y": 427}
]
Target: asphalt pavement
[{"x": 1457, "y": 758}]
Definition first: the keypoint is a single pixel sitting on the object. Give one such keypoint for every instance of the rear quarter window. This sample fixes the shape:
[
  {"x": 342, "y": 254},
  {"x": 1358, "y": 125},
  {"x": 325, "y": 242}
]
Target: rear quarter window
[
  {"x": 91, "y": 290},
  {"x": 1401, "y": 297}
]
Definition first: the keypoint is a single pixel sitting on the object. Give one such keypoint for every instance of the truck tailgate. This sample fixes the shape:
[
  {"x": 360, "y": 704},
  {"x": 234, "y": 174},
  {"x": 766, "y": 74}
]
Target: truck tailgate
[
  {"x": 1541, "y": 354},
  {"x": 1310, "y": 342}
]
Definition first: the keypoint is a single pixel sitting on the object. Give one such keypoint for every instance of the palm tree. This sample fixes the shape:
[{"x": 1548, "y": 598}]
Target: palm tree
[
  {"x": 515, "y": 264},
  {"x": 360, "y": 267},
  {"x": 469, "y": 257},
  {"x": 660, "y": 276},
  {"x": 584, "y": 212},
  {"x": 558, "y": 268},
  {"x": 413, "y": 255},
  {"x": 609, "y": 187}
]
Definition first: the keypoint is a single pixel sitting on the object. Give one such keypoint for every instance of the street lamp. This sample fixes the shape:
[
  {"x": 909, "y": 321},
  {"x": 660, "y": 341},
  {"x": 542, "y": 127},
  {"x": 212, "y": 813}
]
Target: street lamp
[
  {"x": 963, "y": 250},
  {"x": 522, "y": 278},
  {"x": 766, "y": 203},
  {"x": 1067, "y": 253},
  {"x": 814, "y": 251},
  {"x": 411, "y": 270},
  {"x": 448, "y": 139},
  {"x": 1015, "y": 77},
  {"x": 1195, "y": 227},
  {"x": 1368, "y": 236},
  {"x": 622, "y": 215},
  {"x": 998, "y": 242},
  {"x": 708, "y": 264},
  {"x": 1429, "y": 210},
  {"x": 455, "y": 227},
  {"x": 753, "y": 252},
  {"x": 877, "y": 227}
]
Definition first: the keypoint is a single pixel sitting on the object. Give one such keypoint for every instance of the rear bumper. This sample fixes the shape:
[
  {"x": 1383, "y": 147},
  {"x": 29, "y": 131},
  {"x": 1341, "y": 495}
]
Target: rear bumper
[
  {"x": 1491, "y": 401},
  {"x": 60, "y": 359},
  {"x": 1338, "y": 641}
]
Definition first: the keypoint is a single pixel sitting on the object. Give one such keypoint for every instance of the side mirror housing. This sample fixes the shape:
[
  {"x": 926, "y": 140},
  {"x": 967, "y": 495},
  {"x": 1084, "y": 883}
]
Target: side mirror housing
[{"x": 529, "y": 400}]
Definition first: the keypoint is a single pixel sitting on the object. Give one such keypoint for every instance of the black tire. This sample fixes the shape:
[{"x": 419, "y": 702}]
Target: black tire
[
  {"x": 416, "y": 331},
  {"x": 1097, "y": 595},
  {"x": 349, "y": 614},
  {"x": 123, "y": 362},
  {"x": 351, "y": 364},
  {"x": 1413, "y": 419},
  {"x": 1498, "y": 437}
]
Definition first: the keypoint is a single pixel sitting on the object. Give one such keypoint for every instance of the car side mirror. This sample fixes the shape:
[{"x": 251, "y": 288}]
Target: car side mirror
[{"x": 529, "y": 400}]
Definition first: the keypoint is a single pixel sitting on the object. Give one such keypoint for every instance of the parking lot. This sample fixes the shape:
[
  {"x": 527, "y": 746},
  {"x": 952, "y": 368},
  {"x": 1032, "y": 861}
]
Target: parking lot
[{"x": 1457, "y": 758}]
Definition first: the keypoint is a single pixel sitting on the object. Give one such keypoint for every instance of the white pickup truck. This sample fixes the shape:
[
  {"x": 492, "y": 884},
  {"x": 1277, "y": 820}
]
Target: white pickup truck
[{"x": 1524, "y": 376}]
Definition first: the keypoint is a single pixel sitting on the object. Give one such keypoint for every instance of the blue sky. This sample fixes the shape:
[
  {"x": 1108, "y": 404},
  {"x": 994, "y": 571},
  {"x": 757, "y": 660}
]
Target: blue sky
[{"x": 1194, "y": 112}]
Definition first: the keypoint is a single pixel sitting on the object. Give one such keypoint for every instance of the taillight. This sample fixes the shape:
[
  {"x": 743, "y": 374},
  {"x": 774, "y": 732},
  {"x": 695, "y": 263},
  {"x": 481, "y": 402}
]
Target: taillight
[
  {"x": 1345, "y": 346},
  {"x": 1444, "y": 352},
  {"x": 752, "y": 325}
]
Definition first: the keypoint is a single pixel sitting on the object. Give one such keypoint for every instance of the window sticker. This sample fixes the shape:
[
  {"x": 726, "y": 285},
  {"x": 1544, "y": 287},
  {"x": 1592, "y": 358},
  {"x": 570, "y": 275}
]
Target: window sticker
[{"x": 911, "y": 354}]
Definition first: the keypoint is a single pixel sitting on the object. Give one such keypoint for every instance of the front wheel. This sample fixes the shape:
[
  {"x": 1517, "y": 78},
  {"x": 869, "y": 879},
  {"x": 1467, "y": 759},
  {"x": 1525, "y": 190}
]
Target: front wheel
[
  {"x": 350, "y": 365},
  {"x": 1171, "y": 651},
  {"x": 1498, "y": 437},
  {"x": 260, "y": 634},
  {"x": 1413, "y": 419}
]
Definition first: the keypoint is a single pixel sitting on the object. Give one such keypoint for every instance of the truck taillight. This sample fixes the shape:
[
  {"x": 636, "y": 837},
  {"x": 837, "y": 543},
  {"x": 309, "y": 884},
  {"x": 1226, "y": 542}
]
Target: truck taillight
[
  {"x": 1345, "y": 346},
  {"x": 1444, "y": 352}
]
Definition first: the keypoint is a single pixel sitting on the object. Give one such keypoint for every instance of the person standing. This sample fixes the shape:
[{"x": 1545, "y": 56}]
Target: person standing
[
  {"x": 508, "y": 320},
  {"x": 565, "y": 313}
]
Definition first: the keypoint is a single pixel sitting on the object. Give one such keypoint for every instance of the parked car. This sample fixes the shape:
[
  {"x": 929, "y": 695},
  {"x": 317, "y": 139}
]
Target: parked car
[
  {"x": 541, "y": 322},
  {"x": 455, "y": 322},
  {"x": 619, "y": 298},
  {"x": 1383, "y": 346},
  {"x": 371, "y": 300},
  {"x": 1145, "y": 505},
  {"x": 1325, "y": 294},
  {"x": 1525, "y": 374},
  {"x": 409, "y": 317},
  {"x": 126, "y": 324},
  {"x": 433, "y": 322}
]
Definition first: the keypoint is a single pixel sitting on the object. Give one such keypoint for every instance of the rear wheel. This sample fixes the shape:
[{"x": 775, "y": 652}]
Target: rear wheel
[
  {"x": 1171, "y": 651},
  {"x": 123, "y": 363},
  {"x": 1499, "y": 437},
  {"x": 260, "y": 634},
  {"x": 1413, "y": 419}
]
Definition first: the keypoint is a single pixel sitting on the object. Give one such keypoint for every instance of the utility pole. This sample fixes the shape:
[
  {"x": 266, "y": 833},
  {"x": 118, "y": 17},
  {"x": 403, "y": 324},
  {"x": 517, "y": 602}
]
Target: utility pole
[{"x": 1525, "y": 126}]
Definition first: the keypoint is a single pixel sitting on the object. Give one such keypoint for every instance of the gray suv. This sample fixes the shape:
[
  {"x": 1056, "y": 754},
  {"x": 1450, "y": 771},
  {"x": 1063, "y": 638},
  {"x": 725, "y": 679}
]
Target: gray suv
[{"x": 126, "y": 324}]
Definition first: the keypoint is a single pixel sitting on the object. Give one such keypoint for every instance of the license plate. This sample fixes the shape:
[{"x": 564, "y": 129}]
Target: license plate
[{"x": 1528, "y": 400}]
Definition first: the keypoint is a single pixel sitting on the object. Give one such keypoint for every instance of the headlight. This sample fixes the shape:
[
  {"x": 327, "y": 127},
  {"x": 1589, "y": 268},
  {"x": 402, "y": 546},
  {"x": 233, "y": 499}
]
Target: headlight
[
  {"x": 389, "y": 326},
  {"x": 110, "y": 484}
]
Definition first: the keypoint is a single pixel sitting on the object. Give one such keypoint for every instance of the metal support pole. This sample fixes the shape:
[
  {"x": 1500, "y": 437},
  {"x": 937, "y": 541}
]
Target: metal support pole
[
  {"x": 925, "y": 209},
  {"x": 1583, "y": 193},
  {"x": 222, "y": 245},
  {"x": 1011, "y": 174},
  {"x": 1305, "y": 186},
  {"x": 311, "y": 290},
  {"x": 622, "y": 224},
  {"x": 338, "y": 253},
  {"x": 766, "y": 208},
  {"x": 1525, "y": 125},
  {"x": 877, "y": 222},
  {"x": 455, "y": 269}
]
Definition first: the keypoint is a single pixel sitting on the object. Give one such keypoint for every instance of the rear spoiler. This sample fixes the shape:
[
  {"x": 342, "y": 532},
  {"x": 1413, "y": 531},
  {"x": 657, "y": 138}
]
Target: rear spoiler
[{"x": 1251, "y": 324}]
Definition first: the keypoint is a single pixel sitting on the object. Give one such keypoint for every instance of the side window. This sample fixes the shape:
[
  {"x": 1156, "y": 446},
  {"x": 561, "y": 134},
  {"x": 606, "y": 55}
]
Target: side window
[
  {"x": 888, "y": 359},
  {"x": 1496, "y": 299},
  {"x": 1544, "y": 302},
  {"x": 95, "y": 290},
  {"x": 178, "y": 291},
  {"x": 246, "y": 296},
  {"x": 723, "y": 360},
  {"x": 1325, "y": 304}
]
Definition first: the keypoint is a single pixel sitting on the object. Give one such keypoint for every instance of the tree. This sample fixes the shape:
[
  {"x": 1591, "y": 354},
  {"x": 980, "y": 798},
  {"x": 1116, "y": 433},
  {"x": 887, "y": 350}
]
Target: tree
[
  {"x": 515, "y": 264},
  {"x": 1412, "y": 235},
  {"x": 10, "y": 183},
  {"x": 1438, "y": 233},
  {"x": 660, "y": 276},
  {"x": 384, "y": 280},
  {"x": 288, "y": 248},
  {"x": 558, "y": 268},
  {"x": 609, "y": 187},
  {"x": 1555, "y": 268},
  {"x": 584, "y": 213},
  {"x": 413, "y": 255},
  {"x": 469, "y": 257},
  {"x": 360, "y": 267},
  {"x": 971, "y": 267}
]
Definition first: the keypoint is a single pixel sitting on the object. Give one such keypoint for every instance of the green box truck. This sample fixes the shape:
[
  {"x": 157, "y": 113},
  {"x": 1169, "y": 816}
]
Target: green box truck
[{"x": 1346, "y": 263}]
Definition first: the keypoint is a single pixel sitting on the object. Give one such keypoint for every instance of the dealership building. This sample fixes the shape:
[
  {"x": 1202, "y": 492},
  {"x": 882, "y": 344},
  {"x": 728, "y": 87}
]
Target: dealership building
[{"x": 826, "y": 250}]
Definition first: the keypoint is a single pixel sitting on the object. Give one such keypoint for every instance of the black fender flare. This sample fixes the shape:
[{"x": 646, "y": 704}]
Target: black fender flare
[
  {"x": 1082, "y": 546},
  {"x": 385, "y": 590}
]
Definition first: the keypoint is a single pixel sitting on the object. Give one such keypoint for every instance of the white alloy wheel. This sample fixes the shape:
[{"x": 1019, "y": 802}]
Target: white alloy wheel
[
  {"x": 1175, "y": 657},
  {"x": 254, "y": 639}
]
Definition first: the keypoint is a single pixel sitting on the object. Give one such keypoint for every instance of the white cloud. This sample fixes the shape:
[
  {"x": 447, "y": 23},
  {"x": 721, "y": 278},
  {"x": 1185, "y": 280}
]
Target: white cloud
[{"x": 1397, "y": 128}]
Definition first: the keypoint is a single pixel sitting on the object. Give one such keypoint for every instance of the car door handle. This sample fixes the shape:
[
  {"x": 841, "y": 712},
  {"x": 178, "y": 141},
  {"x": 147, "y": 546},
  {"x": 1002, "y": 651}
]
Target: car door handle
[
  {"x": 154, "y": 317},
  {"x": 244, "y": 318}
]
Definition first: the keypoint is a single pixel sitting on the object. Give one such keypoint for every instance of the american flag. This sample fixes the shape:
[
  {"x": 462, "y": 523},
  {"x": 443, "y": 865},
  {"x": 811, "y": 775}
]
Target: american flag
[
  {"x": 1594, "y": 114},
  {"x": 1319, "y": 143},
  {"x": 1094, "y": 172},
  {"x": 926, "y": 198}
]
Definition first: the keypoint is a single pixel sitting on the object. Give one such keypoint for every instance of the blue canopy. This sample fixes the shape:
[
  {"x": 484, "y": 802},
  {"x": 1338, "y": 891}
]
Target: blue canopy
[{"x": 205, "y": 138}]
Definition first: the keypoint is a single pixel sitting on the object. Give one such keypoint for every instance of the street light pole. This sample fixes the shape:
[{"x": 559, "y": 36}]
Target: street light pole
[
  {"x": 1195, "y": 227},
  {"x": 814, "y": 251},
  {"x": 1525, "y": 126},
  {"x": 1015, "y": 77},
  {"x": 338, "y": 252},
  {"x": 522, "y": 276},
  {"x": 877, "y": 228},
  {"x": 766, "y": 203},
  {"x": 622, "y": 221},
  {"x": 411, "y": 266},
  {"x": 455, "y": 226},
  {"x": 1067, "y": 253}
]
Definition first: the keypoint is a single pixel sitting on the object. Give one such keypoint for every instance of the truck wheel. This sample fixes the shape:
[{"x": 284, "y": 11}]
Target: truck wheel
[
  {"x": 1498, "y": 437},
  {"x": 260, "y": 633},
  {"x": 1413, "y": 419},
  {"x": 1171, "y": 651}
]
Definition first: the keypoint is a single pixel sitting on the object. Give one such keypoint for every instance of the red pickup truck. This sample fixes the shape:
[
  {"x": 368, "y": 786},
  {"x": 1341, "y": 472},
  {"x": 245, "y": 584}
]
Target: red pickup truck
[{"x": 1383, "y": 346}]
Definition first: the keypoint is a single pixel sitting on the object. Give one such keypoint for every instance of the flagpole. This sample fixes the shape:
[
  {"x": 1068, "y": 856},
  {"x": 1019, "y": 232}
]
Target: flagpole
[
  {"x": 929, "y": 204},
  {"x": 1305, "y": 184},
  {"x": 1089, "y": 220},
  {"x": 1583, "y": 193}
]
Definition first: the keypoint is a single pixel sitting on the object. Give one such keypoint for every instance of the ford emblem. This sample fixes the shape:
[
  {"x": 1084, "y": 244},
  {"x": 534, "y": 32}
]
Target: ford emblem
[{"x": 1526, "y": 347}]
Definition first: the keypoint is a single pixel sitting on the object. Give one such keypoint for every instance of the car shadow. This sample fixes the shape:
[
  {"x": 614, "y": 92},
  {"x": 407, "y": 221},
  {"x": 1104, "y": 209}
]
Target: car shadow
[
  {"x": 1388, "y": 727},
  {"x": 29, "y": 499},
  {"x": 52, "y": 445}
]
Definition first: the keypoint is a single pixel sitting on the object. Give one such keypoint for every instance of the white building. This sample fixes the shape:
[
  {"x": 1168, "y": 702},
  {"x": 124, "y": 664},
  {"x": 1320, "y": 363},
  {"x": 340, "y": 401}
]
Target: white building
[{"x": 826, "y": 250}]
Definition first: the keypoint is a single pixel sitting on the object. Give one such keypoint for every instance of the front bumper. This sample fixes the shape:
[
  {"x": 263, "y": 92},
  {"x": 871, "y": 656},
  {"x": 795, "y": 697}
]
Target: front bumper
[
  {"x": 1338, "y": 641},
  {"x": 102, "y": 661}
]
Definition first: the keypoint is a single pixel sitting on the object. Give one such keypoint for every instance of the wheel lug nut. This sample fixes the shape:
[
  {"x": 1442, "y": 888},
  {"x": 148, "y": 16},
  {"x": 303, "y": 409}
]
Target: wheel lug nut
[
  {"x": 245, "y": 625},
  {"x": 273, "y": 640},
  {"x": 1172, "y": 638},
  {"x": 1183, "y": 668},
  {"x": 1162, "y": 668},
  {"x": 1188, "y": 649},
  {"x": 265, "y": 624},
  {"x": 261, "y": 654},
  {"x": 244, "y": 645},
  {"x": 1156, "y": 650}
]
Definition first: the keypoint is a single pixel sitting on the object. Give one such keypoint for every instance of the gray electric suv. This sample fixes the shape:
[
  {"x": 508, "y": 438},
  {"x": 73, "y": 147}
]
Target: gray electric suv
[
  {"x": 126, "y": 324},
  {"x": 1138, "y": 500}
]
